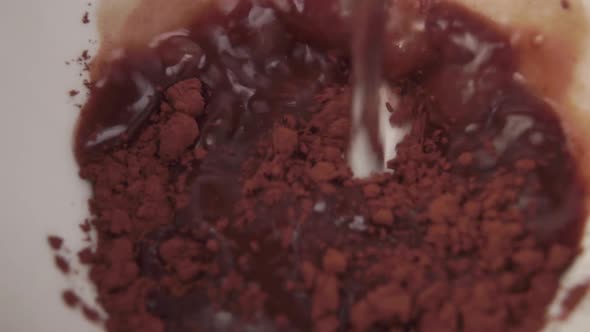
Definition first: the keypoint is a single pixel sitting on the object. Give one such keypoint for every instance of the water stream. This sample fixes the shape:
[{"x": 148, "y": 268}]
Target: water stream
[{"x": 366, "y": 148}]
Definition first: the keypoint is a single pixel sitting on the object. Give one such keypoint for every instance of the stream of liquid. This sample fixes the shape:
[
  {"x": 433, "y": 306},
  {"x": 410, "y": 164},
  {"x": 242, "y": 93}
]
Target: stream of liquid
[{"x": 366, "y": 149}]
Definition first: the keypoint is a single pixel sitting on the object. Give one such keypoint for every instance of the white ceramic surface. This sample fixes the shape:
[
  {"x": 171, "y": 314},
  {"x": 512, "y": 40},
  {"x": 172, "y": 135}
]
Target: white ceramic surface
[{"x": 39, "y": 191}]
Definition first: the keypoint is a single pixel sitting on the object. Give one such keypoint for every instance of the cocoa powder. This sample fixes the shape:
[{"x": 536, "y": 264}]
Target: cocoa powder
[
  {"x": 442, "y": 247},
  {"x": 228, "y": 208},
  {"x": 55, "y": 242}
]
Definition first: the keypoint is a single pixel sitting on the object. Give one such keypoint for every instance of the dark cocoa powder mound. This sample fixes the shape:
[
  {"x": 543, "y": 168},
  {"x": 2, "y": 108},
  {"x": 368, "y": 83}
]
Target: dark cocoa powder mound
[
  {"x": 220, "y": 207},
  {"x": 433, "y": 246}
]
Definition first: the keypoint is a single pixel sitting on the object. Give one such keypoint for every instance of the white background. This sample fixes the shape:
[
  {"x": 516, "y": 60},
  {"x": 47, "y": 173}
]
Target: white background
[{"x": 39, "y": 190}]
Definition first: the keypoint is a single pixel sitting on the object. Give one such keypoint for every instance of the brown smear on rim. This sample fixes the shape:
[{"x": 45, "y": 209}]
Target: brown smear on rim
[
  {"x": 128, "y": 23},
  {"x": 552, "y": 41},
  {"x": 548, "y": 38}
]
